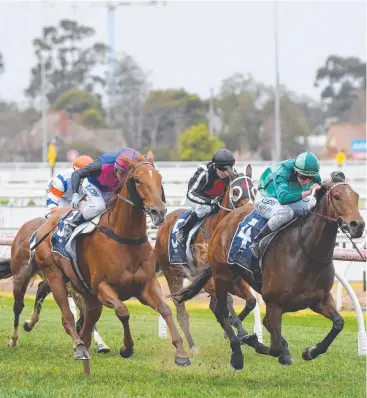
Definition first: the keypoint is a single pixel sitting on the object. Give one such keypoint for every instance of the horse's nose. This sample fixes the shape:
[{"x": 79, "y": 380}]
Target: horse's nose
[{"x": 357, "y": 227}]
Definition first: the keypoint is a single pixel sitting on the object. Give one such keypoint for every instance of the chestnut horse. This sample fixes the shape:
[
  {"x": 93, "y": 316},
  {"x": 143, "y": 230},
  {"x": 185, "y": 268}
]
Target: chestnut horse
[
  {"x": 240, "y": 192},
  {"x": 22, "y": 267},
  {"x": 116, "y": 261},
  {"x": 297, "y": 269}
]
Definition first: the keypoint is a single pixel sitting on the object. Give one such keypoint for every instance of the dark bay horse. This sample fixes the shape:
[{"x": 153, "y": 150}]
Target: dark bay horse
[
  {"x": 297, "y": 269},
  {"x": 116, "y": 261},
  {"x": 240, "y": 192}
]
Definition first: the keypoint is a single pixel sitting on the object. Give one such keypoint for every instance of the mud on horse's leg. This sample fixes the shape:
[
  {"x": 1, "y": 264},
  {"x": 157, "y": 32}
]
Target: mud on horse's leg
[
  {"x": 326, "y": 308},
  {"x": 152, "y": 296},
  {"x": 108, "y": 296}
]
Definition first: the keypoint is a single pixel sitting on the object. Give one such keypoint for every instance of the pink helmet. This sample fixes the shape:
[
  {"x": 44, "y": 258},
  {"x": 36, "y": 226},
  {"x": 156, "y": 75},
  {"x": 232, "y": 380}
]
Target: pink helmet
[{"x": 120, "y": 163}]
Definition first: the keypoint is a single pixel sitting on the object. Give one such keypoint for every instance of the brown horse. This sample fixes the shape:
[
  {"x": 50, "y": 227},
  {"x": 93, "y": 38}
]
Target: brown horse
[
  {"x": 297, "y": 269},
  {"x": 116, "y": 261},
  {"x": 240, "y": 192},
  {"x": 22, "y": 267}
]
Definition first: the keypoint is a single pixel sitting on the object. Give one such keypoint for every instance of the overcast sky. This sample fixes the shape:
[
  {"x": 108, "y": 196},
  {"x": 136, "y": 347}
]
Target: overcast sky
[{"x": 196, "y": 44}]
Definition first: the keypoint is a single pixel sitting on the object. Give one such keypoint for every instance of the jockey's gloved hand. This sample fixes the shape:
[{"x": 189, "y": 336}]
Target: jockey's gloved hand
[{"x": 75, "y": 201}]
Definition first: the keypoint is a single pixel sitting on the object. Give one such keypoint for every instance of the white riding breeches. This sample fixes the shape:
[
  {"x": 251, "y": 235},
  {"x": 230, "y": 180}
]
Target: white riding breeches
[
  {"x": 201, "y": 210},
  {"x": 96, "y": 200},
  {"x": 271, "y": 209}
]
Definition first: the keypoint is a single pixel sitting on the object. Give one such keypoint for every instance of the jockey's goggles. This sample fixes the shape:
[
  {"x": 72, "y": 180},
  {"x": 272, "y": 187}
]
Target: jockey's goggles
[
  {"x": 222, "y": 168},
  {"x": 303, "y": 177}
]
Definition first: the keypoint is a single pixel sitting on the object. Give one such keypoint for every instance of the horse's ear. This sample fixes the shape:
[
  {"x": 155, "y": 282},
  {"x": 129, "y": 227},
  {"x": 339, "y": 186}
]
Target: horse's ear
[
  {"x": 337, "y": 176},
  {"x": 249, "y": 171},
  {"x": 149, "y": 156}
]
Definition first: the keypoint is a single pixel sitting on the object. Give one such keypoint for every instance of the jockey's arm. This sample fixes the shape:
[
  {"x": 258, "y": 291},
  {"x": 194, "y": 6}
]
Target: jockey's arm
[
  {"x": 286, "y": 194},
  {"x": 196, "y": 184},
  {"x": 93, "y": 169},
  {"x": 55, "y": 192}
]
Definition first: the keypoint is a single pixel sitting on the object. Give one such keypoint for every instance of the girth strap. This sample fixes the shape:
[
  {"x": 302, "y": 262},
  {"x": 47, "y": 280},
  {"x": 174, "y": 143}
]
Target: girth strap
[{"x": 120, "y": 239}]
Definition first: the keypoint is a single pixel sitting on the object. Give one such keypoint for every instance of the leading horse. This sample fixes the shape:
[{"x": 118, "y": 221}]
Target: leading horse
[
  {"x": 240, "y": 192},
  {"x": 115, "y": 261},
  {"x": 297, "y": 269}
]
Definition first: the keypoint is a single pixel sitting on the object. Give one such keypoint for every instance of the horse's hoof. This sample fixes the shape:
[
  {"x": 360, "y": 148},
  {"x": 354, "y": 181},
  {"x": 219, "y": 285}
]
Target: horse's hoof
[
  {"x": 81, "y": 353},
  {"x": 11, "y": 344},
  {"x": 103, "y": 348},
  {"x": 237, "y": 362},
  {"x": 286, "y": 360},
  {"x": 127, "y": 352},
  {"x": 307, "y": 354},
  {"x": 27, "y": 326},
  {"x": 182, "y": 361},
  {"x": 194, "y": 351}
]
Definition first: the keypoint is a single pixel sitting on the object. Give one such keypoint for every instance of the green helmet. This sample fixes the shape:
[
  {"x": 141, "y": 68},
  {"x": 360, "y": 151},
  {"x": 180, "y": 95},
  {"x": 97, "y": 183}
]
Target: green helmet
[{"x": 307, "y": 164}]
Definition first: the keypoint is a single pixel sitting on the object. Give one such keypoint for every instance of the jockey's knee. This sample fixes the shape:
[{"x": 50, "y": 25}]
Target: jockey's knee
[
  {"x": 94, "y": 210},
  {"x": 282, "y": 216}
]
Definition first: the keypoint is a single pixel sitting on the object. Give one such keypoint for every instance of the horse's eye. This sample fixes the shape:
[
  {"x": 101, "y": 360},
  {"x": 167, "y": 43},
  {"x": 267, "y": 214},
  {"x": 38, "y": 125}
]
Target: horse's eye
[
  {"x": 137, "y": 182},
  {"x": 336, "y": 197}
]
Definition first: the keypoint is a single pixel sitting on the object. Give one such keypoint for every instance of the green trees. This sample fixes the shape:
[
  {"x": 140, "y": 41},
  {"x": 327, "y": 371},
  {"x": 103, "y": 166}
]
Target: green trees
[{"x": 196, "y": 144}]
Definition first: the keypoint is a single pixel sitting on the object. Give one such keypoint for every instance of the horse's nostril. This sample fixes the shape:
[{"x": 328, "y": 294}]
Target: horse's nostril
[{"x": 354, "y": 224}]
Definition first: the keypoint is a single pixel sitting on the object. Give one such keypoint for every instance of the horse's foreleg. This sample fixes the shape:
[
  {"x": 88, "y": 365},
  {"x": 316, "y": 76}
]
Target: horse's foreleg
[
  {"x": 93, "y": 310},
  {"x": 274, "y": 326},
  {"x": 222, "y": 287},
  {"x": 175, "y": 283},
  {"x": 326, "y": 308},
  {"x": 102, "y": 347},
  {"x": 285, "y": 358},
  {"x": 152, "y": 296},
  {"x": 108, "y": 297},
  {"x": 60, "y": 294},
  {"x": 234, "y": 319},
  {"x": 43, "y": 290}
]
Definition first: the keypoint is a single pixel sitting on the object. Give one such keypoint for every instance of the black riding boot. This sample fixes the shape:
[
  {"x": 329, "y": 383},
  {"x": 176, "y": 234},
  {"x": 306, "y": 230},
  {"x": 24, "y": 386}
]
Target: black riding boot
[
  {"x": 184, "y": 230},
  {"x": 255, "y": 248}
]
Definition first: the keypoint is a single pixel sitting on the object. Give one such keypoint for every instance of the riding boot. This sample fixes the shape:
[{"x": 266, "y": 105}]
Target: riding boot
[
  {"x": 68, "y": 225},
  {"x": 255, "y": 247},
  {"x": 184, "y": 230}
]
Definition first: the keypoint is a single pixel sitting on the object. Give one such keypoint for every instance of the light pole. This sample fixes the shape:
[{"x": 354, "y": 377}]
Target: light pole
[
  {"x": 277, "y": 154},
  {"x": 111, "y": 8},
  {"x": 44, "y": 109}
]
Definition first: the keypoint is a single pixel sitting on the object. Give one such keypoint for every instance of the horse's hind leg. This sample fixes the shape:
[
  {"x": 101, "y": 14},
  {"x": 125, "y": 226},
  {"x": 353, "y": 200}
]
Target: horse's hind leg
[
  {"x": 108, "y": 296},
  {"x": 285, "y": 358},
  {"x": 20, "y": 284},
  {"x": 241, "y": 289},
  {"x": 152, "y": 296},
  {"x": 326, "y": 308},
  {"x": 175, "y": 283},
  {"x": 43, "y": 290}
]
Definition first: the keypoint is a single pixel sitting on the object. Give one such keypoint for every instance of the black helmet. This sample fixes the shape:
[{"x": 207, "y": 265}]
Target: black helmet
[{"x": 223, "y": 157}]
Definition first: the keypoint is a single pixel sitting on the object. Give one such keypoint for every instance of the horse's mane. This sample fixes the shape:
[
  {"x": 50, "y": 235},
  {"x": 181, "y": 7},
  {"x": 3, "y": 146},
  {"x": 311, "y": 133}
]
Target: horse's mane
[{"x": 111, "y": 202}]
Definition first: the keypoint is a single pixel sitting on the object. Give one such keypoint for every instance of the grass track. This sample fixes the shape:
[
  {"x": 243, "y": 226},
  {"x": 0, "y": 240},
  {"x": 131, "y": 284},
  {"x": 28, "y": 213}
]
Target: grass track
[{"x": 43, "y": 365}]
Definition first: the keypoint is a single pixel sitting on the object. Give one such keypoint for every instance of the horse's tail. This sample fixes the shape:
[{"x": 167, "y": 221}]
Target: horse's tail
[
  {"x": 197, "y": 284},
  {"x": 5, "y": 271}
]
